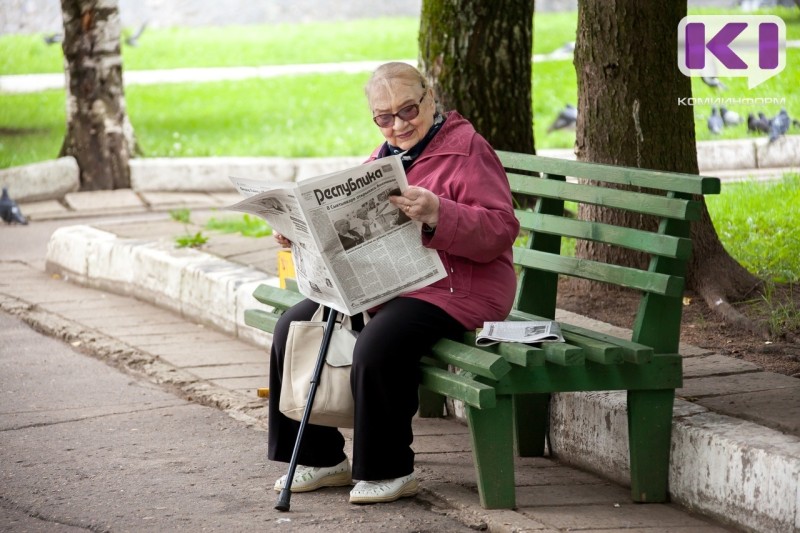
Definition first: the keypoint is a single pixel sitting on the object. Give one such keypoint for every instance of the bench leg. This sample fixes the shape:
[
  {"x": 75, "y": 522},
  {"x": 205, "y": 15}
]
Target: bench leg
[
  {"x": 491, "y": 432},
  {"x": 431, "y": 404},
  {"x": 531, "y": 419},
  {"x": 650, "y": 430}
]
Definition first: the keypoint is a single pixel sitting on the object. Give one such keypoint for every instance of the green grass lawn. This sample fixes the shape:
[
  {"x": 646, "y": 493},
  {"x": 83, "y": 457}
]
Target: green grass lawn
[
  {"x": 758, "y": 227},
  {"x": 296, "y": 116}
]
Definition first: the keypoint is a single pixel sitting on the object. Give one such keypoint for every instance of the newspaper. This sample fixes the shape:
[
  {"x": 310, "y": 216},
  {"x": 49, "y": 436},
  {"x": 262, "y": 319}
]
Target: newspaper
[
  {"x": 352, "y": 249},
  {"x": 523, "y": 331}
]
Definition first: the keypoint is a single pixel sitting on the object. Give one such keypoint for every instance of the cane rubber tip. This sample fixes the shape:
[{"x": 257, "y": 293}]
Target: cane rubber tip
[{"x": 283, "y": 500}]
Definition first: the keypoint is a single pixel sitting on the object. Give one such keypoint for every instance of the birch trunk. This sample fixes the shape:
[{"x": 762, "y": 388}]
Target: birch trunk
[{"x": 99, "y": 134}]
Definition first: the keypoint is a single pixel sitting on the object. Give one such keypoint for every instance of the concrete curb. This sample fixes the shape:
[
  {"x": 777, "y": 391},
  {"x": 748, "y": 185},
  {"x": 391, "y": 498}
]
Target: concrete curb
[
  {"x": 48, "y": 180},
  {"x": 736, "y": 471}
]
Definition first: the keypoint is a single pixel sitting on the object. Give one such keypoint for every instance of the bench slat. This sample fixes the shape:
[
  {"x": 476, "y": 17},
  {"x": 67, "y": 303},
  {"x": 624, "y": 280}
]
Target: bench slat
[
  {"x": 471, "y": 359},
  {"x": 583, "y": 268},
  {"x": 460, "y": 387},
  {"x": 634, "y": 239},
  {"x": 521, "y": 354},
  {"x": 563, "y": 354},
  {"x": 636, "y": 202},
  {"x": 597, "y": 351},
  {"x": 663, "y": 372},
  {"x": 514, "y": 352},
  {"x": 653, "y": 179},
  {"x": 632, "y": 352},
  {"x": 276, "y": 297},
  {"x": 263, "y": 320}
]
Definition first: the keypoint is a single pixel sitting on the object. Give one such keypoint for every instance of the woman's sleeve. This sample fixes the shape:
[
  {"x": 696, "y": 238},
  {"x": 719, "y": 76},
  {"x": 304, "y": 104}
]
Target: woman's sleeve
[{"x": 478, "y": 222}]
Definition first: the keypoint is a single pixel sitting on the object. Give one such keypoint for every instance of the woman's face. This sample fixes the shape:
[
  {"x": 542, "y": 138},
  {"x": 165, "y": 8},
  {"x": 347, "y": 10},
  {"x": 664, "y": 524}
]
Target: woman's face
[{"x": 396, "y": 95}]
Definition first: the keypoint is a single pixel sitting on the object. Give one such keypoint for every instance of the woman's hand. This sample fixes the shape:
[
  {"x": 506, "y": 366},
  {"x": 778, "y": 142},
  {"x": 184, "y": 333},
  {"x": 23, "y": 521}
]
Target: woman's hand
[
  {"x": 418, "y": 204},
  {"x": 283, "y": 241}
]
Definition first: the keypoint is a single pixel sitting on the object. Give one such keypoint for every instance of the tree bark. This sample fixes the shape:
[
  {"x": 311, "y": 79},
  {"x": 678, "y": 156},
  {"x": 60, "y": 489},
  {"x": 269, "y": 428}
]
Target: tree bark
[
  {"x": 99, "y": 134},
  {"x": 629, "y": 85},
  {"x": 477, "y": 56}
]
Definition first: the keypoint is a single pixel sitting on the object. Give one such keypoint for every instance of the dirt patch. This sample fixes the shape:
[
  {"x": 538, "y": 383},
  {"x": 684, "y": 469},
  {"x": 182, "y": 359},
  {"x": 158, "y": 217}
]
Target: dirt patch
[{"x": 700, "y": 327}]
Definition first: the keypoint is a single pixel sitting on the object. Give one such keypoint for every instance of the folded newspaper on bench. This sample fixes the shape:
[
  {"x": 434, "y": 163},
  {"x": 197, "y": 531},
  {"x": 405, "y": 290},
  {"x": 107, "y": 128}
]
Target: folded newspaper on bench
[
  {"x": 351, "y": 248},
  {"x": 525, "y": 332}
]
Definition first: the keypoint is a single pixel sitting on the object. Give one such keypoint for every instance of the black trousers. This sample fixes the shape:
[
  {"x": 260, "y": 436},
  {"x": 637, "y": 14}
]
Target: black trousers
[{"x": 384, "y": 379}]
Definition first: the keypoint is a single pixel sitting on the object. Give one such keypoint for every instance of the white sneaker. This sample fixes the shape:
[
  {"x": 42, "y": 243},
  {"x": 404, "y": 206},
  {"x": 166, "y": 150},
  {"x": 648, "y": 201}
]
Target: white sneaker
[
  {"x": 308, "y": 478},
  {"x": 385, "y": 490}
]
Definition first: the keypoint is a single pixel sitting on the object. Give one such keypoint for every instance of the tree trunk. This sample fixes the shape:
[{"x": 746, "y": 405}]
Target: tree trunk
[
  {"x": 629, "y": 86},
  {"x": 477, "y": 56},
  {"x": 99, "y": 134}
]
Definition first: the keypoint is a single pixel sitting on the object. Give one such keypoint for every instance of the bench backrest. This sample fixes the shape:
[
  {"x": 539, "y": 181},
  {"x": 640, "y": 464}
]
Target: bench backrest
[{"x": 671, "y": 197}]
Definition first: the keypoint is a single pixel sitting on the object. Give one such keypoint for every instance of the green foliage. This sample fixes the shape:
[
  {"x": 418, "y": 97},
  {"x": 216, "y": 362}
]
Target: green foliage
[
  {"x": 782, "y": 313},
  {"x": 191, "y": 241},
  {"x": 758, "y": 227},
  {"x": 247, "y": 225},
  {"x": 181, "y": 215}
]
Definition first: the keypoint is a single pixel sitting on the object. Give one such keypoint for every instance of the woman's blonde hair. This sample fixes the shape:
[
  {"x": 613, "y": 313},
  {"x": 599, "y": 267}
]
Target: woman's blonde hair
[{"x": 395, "y": 70}]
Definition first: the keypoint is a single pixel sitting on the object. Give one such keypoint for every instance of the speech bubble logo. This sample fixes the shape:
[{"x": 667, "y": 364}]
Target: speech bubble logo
[{"x": 752, "y": 46}]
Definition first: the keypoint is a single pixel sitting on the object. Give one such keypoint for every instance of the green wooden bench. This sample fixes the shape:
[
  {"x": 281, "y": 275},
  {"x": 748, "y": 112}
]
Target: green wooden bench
[{"x": 506, "y": 388}]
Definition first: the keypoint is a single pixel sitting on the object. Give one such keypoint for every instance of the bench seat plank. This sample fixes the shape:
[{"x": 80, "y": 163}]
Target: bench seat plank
[
  {"x": 514, "y": 352},
  {"x": 277, "y": 297},
  {"x": 663, "y": 372},
  {"x": 263, "y": 320},
  {"x": 471, "y": 359},
  {"x": 595, "y": 350},
  {"x": 458, "y": 386},
  {"x": 632, "y": 352}
]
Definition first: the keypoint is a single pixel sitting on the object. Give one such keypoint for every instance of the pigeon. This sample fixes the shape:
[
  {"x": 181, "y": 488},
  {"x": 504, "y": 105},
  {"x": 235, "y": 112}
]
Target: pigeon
[
  {"x": 9, "y": 210},
  {"x": 729, "y": 118},
  {"x": 762, "y": 124},
  {"x": 53, "y": 39},
  {"x": 133, "y": 40},
  {"x": 752, "y": 123},
  {"x": 713, "y": 82},
  {"x": 715, "y": 123},
  {"x": 565, "y": 119},
  {"x": 778, "y": 125}
]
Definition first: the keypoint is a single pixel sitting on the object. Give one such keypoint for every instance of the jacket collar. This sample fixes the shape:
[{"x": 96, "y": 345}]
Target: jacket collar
[{"x": 455, "y": 137}]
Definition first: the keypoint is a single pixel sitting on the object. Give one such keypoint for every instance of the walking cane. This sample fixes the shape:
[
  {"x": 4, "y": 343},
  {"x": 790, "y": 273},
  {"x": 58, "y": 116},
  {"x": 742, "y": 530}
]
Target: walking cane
[{"x": 286, "y": 492}]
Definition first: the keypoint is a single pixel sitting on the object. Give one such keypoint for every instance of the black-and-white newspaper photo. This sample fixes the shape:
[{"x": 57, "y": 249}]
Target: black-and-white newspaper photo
[{"x": 352, "y": 249}]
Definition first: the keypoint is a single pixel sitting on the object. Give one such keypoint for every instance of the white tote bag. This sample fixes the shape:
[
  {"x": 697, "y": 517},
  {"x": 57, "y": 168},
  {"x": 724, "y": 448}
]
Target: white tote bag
[{"x": 333, "y": 400}]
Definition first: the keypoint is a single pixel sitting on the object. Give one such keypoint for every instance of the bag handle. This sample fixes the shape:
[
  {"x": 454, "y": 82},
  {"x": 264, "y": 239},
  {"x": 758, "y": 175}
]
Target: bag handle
[{"x": 345, "y": 322}]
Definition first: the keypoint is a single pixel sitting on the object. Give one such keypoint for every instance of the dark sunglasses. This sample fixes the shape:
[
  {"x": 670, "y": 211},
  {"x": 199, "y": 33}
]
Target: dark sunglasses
[{"x": 409, "y": 112}]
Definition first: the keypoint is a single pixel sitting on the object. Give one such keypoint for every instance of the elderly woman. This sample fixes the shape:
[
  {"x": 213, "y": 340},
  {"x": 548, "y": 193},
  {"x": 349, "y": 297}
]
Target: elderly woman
[{"x": 459, "y": 192}]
